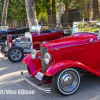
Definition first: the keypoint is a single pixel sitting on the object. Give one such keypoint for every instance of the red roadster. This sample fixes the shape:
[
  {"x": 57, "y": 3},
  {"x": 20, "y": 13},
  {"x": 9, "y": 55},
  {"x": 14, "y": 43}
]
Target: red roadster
[
  {"x": 64, "y": 60},
  {"x": 15, "y": 48}
]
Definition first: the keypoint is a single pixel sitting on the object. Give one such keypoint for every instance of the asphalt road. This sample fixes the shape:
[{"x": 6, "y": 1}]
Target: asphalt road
[{"x": 10, "y": 79}]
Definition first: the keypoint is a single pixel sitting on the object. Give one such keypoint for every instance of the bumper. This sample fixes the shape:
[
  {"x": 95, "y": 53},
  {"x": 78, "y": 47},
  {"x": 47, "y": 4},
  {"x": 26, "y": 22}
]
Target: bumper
[{"x": 46, "y": 90}]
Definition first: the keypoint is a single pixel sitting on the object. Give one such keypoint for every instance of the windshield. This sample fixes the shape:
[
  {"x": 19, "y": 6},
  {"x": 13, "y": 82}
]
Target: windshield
[
  {"x": 35, "y": 28},
  {"x": 92, "y": 27}
]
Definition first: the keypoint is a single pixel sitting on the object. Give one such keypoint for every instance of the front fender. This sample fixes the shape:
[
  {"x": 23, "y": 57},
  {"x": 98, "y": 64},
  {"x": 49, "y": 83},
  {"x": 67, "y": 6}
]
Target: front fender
[
  {"x": 34, "y": 65},
  {"x": 61, "y": 65}
]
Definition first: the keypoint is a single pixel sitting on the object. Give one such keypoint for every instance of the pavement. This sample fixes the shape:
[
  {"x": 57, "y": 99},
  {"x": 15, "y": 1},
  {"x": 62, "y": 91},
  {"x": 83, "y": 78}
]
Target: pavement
[{"x": 11, "y": 80}]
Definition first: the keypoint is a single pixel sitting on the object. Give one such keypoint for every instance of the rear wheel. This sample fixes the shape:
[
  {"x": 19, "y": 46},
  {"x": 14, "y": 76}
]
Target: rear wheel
[
  {"x": 4, "y": 49},
  {"x": 66, "y": 82},
  {"x": 15, "y": 54}
]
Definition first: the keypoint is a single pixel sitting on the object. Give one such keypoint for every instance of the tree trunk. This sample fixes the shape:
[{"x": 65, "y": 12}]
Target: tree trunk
[
  {"x": 53, "y": 13},
  {"x": 66, "y": 14},
  {"x": 99, "y": 8},
  {"x": 95, "y": 9},
  {"x": 86, "y": 13},
  {"x": 31, "y": 13},
  {"x": 4, "y": 14},
  {"x": 49, "y": 15}
]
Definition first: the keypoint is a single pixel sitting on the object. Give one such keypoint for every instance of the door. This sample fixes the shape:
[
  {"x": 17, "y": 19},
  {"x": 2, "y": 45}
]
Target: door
[
  {"x": 36, "y": 41},
  {"x": 94, "y": 53},
  {"x": 44, "y": 37}
]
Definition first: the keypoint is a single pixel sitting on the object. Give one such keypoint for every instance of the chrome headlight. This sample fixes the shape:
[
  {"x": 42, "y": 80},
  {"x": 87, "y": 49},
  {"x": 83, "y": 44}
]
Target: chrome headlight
[
  {"x": 47, "y": 58},
  {"x": 34, "y": 54}
]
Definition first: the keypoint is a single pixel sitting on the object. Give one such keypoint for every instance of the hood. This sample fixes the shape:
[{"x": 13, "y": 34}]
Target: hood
[{"x": 72, "y": 40}]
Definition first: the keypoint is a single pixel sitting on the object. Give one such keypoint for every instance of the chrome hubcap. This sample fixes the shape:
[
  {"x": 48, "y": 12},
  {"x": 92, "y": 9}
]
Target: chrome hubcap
[
  {"x": 15, "y": 54},
  {"x": 68, "y": 81}
]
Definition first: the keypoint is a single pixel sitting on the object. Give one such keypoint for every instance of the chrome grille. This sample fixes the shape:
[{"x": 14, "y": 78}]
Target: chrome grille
[{"x": 44, "y": 50}]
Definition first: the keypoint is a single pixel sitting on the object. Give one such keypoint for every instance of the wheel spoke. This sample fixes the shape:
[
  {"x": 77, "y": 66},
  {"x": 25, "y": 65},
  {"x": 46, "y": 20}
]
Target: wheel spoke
[{"x": 15, "y": 54}]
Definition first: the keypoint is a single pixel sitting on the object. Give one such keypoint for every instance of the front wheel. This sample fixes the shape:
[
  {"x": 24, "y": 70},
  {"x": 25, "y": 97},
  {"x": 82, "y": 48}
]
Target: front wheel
[
  {"x": 66, "y": 82},
  {"x": 15, "y": 54}
]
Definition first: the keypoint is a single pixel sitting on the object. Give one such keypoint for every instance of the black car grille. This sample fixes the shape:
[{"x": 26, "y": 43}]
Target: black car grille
[{"x": 44, "y": 50}]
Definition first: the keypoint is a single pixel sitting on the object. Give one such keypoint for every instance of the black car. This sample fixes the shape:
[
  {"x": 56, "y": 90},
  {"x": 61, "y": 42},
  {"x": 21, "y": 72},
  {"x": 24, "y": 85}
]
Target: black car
[{"x": 12, "y": 31}]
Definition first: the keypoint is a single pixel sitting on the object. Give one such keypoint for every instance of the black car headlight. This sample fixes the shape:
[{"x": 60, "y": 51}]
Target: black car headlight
[
  {"x": 34, "y": 54},
  {"x": 47, "y": 58}
]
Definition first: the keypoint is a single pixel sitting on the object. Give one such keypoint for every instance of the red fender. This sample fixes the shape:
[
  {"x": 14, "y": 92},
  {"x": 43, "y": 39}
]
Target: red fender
[
  {"x": 61, "y": 65},
  {"x": 35, "y": 65}
]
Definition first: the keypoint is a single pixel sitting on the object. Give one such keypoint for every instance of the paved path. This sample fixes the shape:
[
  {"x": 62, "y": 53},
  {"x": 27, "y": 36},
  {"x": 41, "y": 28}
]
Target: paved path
[{"x": 10, "y": 79}]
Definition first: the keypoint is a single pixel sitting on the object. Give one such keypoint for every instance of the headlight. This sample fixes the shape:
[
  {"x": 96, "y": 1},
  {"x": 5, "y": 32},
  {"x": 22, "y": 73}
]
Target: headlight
[
  {"x": 34, "y": 54},
  {"x": 47, "y": 58}
]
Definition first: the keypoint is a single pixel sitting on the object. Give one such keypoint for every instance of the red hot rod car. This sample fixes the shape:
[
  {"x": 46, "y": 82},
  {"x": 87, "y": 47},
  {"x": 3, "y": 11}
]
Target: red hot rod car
[
  {"x": 15, "y": 48},
  {"x": 63, "y": 61}
]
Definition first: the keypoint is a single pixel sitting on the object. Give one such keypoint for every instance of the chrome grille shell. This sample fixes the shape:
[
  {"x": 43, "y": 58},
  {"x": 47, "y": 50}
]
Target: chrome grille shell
[{"x": 44, "y": 50}]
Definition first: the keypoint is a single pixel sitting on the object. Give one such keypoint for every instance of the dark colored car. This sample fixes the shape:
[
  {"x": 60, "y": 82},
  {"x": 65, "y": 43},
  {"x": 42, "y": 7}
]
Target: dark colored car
[{"x": 13, "y": 31}]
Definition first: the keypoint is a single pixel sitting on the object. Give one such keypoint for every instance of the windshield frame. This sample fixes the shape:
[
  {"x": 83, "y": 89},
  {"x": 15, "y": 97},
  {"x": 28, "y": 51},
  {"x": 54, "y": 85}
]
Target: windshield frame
[{"x": 77, "y": 24}]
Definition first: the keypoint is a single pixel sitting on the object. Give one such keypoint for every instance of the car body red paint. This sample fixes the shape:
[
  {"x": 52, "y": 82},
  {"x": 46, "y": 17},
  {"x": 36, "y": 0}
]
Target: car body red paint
[
  {"x": 64, "y": 60},
  {"x": 31, "y": 40},
  {"x": 72, "y": 51},
  {"x": 38, "y": 38}
]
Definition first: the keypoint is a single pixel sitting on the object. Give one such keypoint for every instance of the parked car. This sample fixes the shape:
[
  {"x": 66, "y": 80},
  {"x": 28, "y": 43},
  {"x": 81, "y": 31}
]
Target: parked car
[
  {"x": 13, "y": 31},
  {"x": 15, "y": 48},
  {"x": 63, "y": 61}
]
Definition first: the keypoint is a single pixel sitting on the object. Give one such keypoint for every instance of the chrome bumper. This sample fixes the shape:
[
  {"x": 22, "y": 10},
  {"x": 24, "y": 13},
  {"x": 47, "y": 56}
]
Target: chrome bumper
[{"x": 46, "y": 90}]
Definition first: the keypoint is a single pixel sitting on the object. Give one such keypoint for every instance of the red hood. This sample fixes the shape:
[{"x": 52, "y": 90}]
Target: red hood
[{"x": 75, "y": 39}]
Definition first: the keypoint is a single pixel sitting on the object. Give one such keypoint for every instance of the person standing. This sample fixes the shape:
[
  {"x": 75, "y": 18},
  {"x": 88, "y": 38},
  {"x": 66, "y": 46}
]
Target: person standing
[{"x": 57, "y": 26}]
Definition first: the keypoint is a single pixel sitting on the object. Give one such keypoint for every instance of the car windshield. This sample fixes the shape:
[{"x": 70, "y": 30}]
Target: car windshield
[
  {"x": 92, "y": 27},
  {"x": 35, "y": 28}
]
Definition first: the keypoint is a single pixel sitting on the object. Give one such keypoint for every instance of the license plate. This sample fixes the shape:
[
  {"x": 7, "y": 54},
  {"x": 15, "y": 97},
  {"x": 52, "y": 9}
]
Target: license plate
[{"x": 39, "y": 75}]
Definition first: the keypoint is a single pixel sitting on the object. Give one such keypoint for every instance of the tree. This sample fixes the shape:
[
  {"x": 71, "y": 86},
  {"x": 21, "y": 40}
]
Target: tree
[
  {"x": 53, "y": 13},
  {"x": 95, "y": 9},
  {"x": 4, "y": 14},
  {"x": 16, "y": 13},
  {"x": 16, "y": 10},
  {"x": 31, "y": 13},
  {"x": 73, "y": 4},
  {"x": 49, "y": 13},
  {"x": 66, "y": 10},
  {"x": 1, "y": 8}
]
